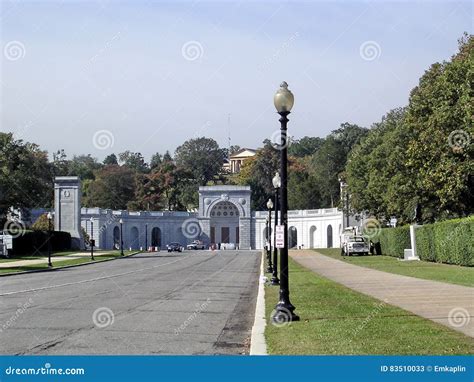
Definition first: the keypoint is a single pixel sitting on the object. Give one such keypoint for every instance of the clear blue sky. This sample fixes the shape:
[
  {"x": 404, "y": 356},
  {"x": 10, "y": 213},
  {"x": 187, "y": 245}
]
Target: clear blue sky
[{"x": 157, "y": 73}]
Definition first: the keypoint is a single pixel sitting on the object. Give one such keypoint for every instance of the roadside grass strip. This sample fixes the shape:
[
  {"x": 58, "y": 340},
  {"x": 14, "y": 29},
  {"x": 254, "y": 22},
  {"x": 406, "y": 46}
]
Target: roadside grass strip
[
  {"x": 338, "y": 320},
  {"x": 454, "y": 274}
]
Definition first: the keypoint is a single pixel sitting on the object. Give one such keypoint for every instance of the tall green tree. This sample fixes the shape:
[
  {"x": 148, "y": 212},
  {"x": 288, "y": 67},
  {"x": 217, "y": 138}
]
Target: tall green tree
[
  {"x": 202, "y": 157},
  {"x": 114, "y": 188},
  {"x": 25, "y": 175},
  {"x": 305, "y": 146},
  {"x": 134, "y": 161}
]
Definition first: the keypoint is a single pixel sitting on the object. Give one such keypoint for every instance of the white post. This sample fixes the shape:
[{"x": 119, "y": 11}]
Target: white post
[{"x": 413, "y": 240}]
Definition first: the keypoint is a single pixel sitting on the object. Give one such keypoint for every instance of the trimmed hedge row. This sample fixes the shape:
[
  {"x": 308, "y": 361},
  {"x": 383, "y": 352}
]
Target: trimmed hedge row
[
  {"x": 450, "y": 242},
  {"x": 393, "y": 241},
  {"x": 32, "y": 241}
]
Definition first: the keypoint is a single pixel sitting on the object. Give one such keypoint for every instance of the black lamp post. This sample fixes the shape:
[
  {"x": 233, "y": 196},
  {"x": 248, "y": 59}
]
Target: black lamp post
[
  {"x": 267, "y": 250},
  {"x": 284, "y": 310},
  {"x": 276, "y": 185},
  {"x": 345, "y": 200},
  {"x": 50, "y": 218},
  {"x": 121, "y": 237},
  {"x": 92, "y": 238},
  {"x": 269, "y": 236}
]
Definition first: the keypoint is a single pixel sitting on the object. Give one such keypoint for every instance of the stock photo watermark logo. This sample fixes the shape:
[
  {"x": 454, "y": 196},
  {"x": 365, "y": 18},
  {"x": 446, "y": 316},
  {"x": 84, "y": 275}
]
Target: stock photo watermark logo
[
  {"x": 458, "y": 140},
  {"x": 103, "y": 140},
  {"x": 14, "y": 228},
  {"x": 370, "y": 50},
  {"x": 192, "y": 50},
  {"x": 458, "y": 317},
  {"x": 20, "y": 310},
  {"x": 275, "y": 140},
  {"x": 191, "y": 228},
  {"x": 283, "y": 318},
  {"x": 371, "y": 228},
  {"x": 14, "y": 50},
  {"x": 199, "y": 309},
  {"x": 103, "y": 317}
]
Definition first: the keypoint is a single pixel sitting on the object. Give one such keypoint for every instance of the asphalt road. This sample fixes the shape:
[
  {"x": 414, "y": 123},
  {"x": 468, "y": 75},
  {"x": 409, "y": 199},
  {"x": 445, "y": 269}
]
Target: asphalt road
[{"x": 195, "y": 302}]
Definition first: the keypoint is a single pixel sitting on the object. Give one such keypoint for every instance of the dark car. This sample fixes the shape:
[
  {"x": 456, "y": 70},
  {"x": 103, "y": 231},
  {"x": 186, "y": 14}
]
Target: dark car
[{"x": 174, "y": 247}]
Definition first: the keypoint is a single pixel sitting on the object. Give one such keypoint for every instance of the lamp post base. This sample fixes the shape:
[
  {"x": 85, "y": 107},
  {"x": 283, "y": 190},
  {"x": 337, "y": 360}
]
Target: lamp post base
[
  {"x": 282, "y": 315},
  {"x": 275, "y": 281}
]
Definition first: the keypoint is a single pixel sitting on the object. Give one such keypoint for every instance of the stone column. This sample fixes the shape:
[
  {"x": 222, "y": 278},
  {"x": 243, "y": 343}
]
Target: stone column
[
  {"x": 67, "y": 208},
  {"x": 205, "y": 224},
  {"x": 244, "y": 232}
]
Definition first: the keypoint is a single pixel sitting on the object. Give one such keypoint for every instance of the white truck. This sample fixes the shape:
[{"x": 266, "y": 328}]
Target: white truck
[{"x": 354, "y": 245}]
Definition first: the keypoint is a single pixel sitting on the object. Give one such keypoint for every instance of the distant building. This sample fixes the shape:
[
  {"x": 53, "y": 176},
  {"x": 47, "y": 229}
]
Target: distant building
[
  {"x": 224, "y": 216},
  {"x": 237, "y": 159}
]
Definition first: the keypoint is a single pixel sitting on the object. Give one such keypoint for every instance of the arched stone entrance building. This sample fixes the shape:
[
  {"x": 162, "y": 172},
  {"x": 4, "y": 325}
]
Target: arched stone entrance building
[{"x": 224, "y": 214}]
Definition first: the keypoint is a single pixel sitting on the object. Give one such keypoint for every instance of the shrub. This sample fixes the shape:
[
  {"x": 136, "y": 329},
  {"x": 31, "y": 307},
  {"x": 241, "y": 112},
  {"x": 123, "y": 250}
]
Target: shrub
[
  {"x": 37, "y": 241},
  {"x": 393, "y": 241},
  {"x": 450, "y": 242}
]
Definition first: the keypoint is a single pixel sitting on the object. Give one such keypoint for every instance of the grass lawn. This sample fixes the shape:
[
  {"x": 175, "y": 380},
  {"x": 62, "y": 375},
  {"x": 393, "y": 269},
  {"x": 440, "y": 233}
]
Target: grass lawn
[
  {"x": 338, "y": 320},
  {"x": 454, "y": 274},
  {"x": 99, "y": 256}
]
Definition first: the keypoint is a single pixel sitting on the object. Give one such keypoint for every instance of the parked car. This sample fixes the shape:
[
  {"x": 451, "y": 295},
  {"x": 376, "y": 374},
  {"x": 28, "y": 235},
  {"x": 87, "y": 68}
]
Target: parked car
[
  {"x": 355, "y": 245},
  {"x": 174, "y": 247},
  {"x": 196, "y": 244}
]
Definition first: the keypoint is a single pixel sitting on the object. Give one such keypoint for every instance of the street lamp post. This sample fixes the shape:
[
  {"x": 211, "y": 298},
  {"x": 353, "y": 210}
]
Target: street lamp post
[
  {"x": 121, "y": 237},
  {"x": 92, "y": 238},
  {"x": 345, "y": 200},
  {"x": 276, "y": 185},
  {"x": 50, "y": 218},
  {"x": 267, "y": 249},
  {"x": 284, "y": 310},
  {"x": 269, "y": 237}
]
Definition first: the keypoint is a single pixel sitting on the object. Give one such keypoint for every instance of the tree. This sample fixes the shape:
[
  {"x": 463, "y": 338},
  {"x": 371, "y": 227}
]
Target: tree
[
  {"x": 421, "y": 155},
  {"x": 25, "y": 175},
  {"x": 305, "y": 146},
  {"x": 83, "y": 166},
  {"x": 156, "y": 161},
  {"x": 303, "y": 189},
  {"x": 376, "y": 166},
  {"x": 439, "y": 152},
  {"x": 41, "y": 224},
  {"x": 135, "y": 161},
  {"x": 113, "y": 188},
  {"x": 329, "y": 161},
  {"x": 258, "y": 172},
  {"x": 202, "y": 157},
  {"x": 110, "y": 159}
]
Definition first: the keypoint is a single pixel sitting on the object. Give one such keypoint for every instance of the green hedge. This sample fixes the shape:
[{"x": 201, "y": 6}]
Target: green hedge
[
  {"x": 393, "y": 241},
  {"x": 450, "y": 242},
  {"x": 32, "y": 241}
]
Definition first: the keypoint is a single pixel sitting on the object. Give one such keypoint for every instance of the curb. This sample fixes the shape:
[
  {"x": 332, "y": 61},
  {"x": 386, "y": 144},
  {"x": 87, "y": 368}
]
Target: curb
[
  {"x": 67, "y": 266},
  {"x": 258, "y": 346}
]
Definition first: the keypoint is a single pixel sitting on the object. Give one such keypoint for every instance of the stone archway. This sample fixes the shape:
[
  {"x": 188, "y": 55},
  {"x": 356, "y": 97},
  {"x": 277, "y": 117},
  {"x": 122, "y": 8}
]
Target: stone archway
[
  {"x": 224, "y": 222},
  {"x": 116, "y": 238},
  {"x": 134, "y": 238},
  {"x": 156, "y": 237},
  {"x": 292, "y": 237},
  {"x": 329, "y": 236}
]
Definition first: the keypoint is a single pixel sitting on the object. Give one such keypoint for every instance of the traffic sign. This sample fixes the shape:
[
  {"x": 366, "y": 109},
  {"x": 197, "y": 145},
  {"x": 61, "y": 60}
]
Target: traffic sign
[{"x": 280, "y": 236}]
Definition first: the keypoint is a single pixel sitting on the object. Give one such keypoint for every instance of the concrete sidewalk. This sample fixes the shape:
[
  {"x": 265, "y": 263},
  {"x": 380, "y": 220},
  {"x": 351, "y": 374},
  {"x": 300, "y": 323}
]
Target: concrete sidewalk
[{"x": 448, "y": 304}]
